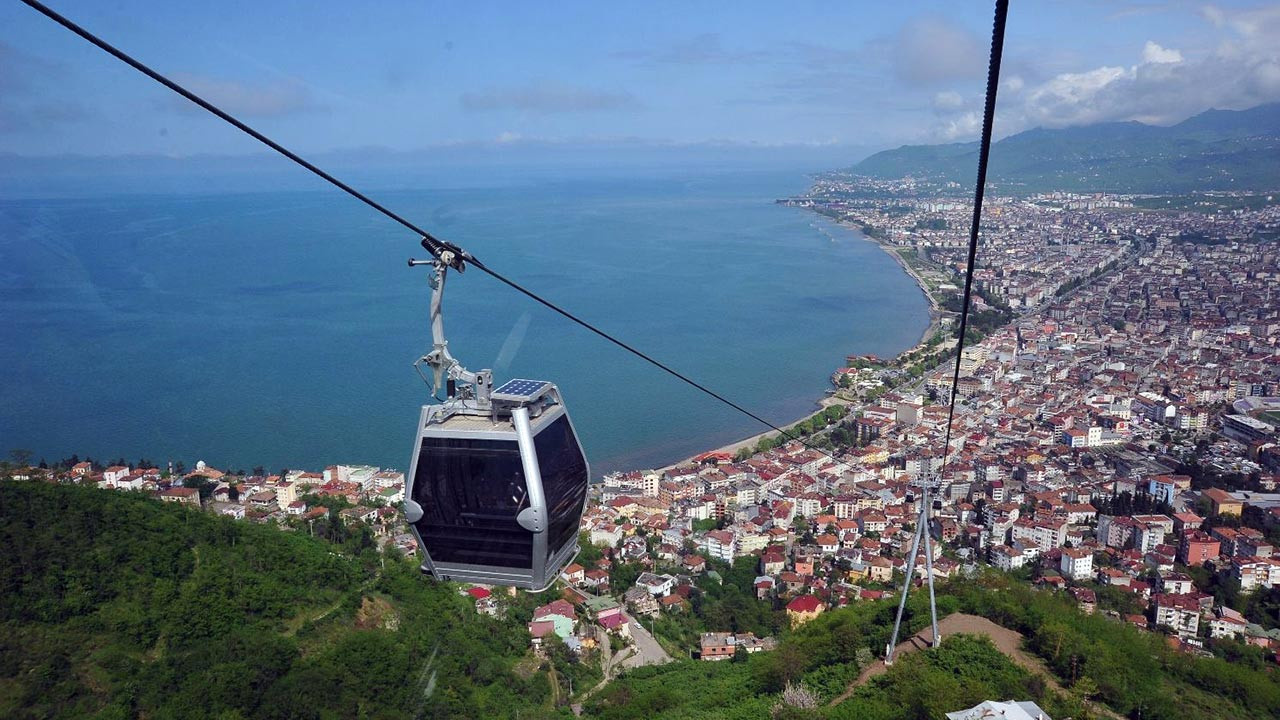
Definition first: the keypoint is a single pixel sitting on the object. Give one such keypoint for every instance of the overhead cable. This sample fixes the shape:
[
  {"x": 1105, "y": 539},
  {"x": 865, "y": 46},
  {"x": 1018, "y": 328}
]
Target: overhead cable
[{"x": 984, "y": 151}]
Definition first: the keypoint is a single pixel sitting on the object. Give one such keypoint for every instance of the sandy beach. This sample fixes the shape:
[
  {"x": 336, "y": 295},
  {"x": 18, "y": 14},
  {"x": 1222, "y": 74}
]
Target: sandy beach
[{"x": 734, "y": 447}]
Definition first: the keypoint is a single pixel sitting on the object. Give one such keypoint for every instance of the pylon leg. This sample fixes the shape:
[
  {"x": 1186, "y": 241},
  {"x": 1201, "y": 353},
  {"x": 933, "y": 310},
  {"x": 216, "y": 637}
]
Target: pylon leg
[
  {"x": 928, "y": 564},
  {"x": 902, "y": 602}
]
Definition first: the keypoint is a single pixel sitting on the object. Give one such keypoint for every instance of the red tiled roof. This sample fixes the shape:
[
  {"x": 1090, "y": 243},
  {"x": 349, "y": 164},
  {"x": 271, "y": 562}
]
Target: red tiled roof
[
  {"x": 540, "y": 628},
  {"x": 180, "y": 492},
  {"x": 804, "y": 604},
  {"x": 555, "y": 607}
]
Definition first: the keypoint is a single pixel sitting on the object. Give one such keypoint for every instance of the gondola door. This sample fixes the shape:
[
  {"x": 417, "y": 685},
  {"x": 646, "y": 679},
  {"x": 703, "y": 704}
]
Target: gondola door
[{"x": 472, "y": 493}]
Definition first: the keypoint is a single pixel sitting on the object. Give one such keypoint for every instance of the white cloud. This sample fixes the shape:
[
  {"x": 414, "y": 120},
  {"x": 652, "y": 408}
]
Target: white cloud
[
  {"x": 1163, "y": 87},
  {"x": 25, "y": 106},
  {"x": 1154, "y": 53},
  {"x": 948, "y": 100},
  {"x": 964, "y": 126},
  {"x": 1068, "y": 98},
  {"x": 1257, "y": 25}
]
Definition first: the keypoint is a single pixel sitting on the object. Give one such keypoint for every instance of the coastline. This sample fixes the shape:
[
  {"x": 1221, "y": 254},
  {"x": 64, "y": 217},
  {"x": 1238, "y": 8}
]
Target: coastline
[
  {"x": 935, "y": 316},
  {"x": 733, "y": 447}
]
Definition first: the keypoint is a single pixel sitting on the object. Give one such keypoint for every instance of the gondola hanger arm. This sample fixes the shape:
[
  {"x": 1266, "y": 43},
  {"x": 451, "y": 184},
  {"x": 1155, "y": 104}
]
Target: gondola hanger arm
[{"x": 446, "y": 370}]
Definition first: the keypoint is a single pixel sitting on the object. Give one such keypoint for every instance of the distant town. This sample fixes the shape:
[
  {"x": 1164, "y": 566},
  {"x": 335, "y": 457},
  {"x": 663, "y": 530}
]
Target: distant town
[
  {"x": 1115, "y": 431},
  {"x": 1114, "y": 438}
]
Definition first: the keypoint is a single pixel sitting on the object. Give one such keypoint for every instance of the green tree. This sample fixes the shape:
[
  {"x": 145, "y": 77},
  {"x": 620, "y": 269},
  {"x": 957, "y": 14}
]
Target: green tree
[
  {"x": 199, "y": 483},
  {"x": 21, "y": 457}
]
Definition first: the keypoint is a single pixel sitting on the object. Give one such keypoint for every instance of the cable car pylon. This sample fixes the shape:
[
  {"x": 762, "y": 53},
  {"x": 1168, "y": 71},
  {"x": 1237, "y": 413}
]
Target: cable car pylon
[{"x": 928, "y": 484}]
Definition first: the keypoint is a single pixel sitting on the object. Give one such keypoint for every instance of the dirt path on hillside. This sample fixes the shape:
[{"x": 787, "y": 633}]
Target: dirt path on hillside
[{"x": 1006, "y": 641}]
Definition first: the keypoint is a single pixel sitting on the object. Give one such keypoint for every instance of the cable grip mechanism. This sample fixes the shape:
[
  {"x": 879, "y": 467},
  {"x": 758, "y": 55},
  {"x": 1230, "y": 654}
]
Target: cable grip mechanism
[{"x": 471, "y": 388}]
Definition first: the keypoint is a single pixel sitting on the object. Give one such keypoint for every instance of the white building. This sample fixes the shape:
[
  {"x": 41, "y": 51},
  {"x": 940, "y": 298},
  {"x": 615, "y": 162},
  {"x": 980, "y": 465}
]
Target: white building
[
  {"x": 991, "y": 710},
  {"x": 749, "y": 494},
  {"x": 720, "y": 544},
  {"x": 808, "y": 504},
  {"x": 1147, "y": 537},
  {"x": 657, "y": 585},
  {"x": 1253, "y": 573},
  {"x": 607, "y": 535},
  {"x": 391, "y": 495},
  {"x": 1077, "y": 563},
  {"x": 1007, "y": 558},
  {"x": 362, "y": 475},
  {"x": 749, "y": 542},
  {"x": 1176, "y": 584},
  {"x": 1227, "y": 627},
  {"x": 1179, "y": 612}
]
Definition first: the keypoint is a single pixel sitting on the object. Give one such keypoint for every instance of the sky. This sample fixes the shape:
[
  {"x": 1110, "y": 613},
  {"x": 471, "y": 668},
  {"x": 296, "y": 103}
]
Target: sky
[{"x": 324, "y": 76}]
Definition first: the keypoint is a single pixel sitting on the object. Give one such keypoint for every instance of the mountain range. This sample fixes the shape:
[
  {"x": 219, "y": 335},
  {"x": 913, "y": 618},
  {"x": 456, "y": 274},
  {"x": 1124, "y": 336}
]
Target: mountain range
[{"x": 1215, "y": 150}]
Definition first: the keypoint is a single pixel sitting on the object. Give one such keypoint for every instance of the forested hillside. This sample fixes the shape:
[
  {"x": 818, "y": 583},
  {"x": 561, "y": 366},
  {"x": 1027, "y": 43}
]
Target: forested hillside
[
  {"x": 1215, "y": 150},
  {"x": 114, "y": 605}
]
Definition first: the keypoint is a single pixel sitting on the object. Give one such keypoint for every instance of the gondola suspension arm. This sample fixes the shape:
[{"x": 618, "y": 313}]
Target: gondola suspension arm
[{"x": 446, "y": 370}]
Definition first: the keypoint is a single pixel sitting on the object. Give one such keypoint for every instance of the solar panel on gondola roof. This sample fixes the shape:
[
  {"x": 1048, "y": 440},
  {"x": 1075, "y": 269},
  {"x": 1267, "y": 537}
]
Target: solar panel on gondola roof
[{"x": 519, "y": 390}]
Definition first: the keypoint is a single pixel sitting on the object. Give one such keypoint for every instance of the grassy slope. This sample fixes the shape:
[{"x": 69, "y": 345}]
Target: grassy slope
[{"x": 1132, "y": 672}]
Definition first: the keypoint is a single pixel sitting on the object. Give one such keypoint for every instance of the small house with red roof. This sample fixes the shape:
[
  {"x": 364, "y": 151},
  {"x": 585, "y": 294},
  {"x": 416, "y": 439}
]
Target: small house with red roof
[
  {"x": 803, "y": 609},
  {"x": 574, "y": 574},
  {"x": 764, "y": 587},
  {"x": 183, "y": 495},
  {"x": 556, "y": 617},
  {"x": 695, "y": 564},
  {"x": 616, "y": 624}
]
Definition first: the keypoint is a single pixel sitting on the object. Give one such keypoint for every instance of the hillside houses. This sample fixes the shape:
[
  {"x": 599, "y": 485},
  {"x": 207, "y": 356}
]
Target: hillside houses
[{"x": 373, "y": 494}]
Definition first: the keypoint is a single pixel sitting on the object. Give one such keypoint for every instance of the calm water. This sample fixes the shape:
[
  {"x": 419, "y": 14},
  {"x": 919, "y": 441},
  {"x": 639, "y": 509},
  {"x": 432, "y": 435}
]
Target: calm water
[{"x": 278, "y": 328}]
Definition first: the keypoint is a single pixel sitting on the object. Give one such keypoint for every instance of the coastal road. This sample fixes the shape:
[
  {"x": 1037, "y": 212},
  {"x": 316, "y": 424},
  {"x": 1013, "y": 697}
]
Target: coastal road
[{"x": 648, "y": 651}]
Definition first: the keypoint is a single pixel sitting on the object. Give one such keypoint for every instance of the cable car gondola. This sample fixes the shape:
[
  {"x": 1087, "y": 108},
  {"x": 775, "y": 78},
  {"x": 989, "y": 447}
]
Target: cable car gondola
[{"x": 498, "y": 479}]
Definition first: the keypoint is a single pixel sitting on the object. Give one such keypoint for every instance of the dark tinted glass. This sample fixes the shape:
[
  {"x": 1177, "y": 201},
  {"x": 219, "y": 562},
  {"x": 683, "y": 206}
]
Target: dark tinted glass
[
  {"x": 564, "y": 480},
  {"x": 470, "y": 492}
]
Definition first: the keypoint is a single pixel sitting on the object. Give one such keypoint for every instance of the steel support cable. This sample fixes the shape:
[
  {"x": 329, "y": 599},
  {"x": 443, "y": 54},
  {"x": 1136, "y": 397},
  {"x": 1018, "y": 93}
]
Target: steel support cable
[
  {"x": 984, "y": 150},
  {"x": 430, "y": 242},
  {"x": 922, "y": 526}
]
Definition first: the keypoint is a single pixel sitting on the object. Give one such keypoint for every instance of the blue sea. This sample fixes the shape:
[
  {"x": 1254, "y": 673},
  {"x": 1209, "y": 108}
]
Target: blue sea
[{"x": 277, "y": 328}]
